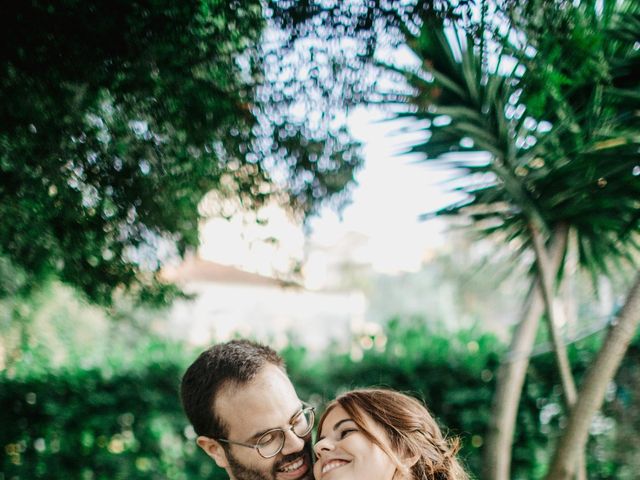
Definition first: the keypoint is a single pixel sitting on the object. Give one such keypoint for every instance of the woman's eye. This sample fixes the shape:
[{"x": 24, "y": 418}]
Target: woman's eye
[{"x": 346, "y": 432}]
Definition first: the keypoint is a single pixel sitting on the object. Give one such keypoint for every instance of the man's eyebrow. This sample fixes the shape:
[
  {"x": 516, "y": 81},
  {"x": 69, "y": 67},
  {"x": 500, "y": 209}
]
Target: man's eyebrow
[
  {"x": 336, "y": 426},
  {"x": 257, "y": 435},
  {"x": 297, "y": 412}
]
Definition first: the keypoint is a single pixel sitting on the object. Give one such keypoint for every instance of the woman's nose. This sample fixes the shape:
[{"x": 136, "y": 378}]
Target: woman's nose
[{"x": 321, "y": 446}]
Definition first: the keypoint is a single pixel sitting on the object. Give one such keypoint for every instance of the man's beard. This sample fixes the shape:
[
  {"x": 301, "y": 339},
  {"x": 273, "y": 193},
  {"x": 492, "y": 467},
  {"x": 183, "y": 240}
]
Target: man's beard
[{"x": 242, "y": 472}]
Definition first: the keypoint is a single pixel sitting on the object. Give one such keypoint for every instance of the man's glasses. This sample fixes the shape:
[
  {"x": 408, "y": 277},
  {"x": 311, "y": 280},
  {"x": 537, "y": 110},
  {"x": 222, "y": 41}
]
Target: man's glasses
[{"x": 271, "y": 442}]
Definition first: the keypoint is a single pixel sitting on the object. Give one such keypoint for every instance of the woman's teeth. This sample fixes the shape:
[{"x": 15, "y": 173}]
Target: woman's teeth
[{"x": 333, "y": 464}]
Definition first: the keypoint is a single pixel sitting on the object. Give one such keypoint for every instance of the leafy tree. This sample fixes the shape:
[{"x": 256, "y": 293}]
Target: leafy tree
[{"x": 117, "y": 118}]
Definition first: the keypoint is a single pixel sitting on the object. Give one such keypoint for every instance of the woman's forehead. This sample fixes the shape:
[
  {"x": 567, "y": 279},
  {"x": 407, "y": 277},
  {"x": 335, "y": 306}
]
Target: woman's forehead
[{"x": 336, "y": 416}]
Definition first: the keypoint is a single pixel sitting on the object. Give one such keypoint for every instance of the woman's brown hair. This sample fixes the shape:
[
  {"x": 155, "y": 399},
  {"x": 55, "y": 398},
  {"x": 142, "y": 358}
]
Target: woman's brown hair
[{"x": 411, "y": 431}]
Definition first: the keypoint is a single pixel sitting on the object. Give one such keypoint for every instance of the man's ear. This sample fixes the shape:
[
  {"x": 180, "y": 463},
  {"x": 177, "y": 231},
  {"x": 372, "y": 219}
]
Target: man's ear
[{"x": 214, "y": 450}]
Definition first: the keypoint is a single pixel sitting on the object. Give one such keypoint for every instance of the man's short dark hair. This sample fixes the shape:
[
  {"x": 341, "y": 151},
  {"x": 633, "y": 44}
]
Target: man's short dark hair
[{"x": 222, "y": 365}]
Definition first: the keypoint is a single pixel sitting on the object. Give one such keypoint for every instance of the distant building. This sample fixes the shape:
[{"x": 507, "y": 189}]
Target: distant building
[{"x": 230, "y": 301}]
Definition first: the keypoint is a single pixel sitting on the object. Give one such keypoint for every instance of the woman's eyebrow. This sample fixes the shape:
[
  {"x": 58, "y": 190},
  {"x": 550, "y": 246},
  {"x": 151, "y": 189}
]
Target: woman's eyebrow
[{"x": 336, "y": 426}]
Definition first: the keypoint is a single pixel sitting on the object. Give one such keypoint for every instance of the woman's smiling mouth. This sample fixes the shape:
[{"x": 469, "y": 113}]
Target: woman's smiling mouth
[{"x": 332, "y": 465}]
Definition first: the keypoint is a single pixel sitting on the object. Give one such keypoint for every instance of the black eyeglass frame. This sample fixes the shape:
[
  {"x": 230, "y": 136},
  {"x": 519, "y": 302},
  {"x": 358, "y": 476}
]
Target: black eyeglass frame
[{"x": 256, "y": 446}]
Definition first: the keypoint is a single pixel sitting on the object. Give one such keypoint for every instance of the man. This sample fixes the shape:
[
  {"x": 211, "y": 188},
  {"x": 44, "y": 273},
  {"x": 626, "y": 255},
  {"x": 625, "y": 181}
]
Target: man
[{"x": 246, "y": 413}]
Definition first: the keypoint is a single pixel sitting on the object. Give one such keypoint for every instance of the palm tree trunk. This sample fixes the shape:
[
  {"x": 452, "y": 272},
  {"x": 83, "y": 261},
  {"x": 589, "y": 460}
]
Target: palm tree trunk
[
  {"x": 601, "y": 372},
  {"x": 512, "y": 371},
  {"x": 546, "y": 277}
]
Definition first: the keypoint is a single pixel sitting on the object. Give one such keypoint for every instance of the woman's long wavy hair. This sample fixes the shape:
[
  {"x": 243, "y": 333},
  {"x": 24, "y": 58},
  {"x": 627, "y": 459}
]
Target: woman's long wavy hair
[{"x": 411, "y": 432}]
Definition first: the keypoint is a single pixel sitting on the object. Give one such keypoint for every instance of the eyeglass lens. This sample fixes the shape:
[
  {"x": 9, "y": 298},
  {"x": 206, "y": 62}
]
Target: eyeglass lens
[{"x": 272, "y": 442}]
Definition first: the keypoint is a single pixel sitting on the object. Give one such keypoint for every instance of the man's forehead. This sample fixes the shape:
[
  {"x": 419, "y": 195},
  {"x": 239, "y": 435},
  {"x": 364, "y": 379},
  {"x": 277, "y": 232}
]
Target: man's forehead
[{"x": 267, "y": 401}]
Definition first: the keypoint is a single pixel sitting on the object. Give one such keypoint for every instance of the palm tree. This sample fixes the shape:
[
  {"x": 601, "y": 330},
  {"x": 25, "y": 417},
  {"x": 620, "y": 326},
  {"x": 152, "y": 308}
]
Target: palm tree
[{"x": 554, "y": 113}]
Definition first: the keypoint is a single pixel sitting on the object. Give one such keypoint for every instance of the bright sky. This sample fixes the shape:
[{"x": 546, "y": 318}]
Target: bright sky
[{"x": 393, "y": 190}]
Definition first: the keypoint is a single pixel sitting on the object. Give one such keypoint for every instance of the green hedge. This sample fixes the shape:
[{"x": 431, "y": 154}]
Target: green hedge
[
  {"x": 84, "y": 425},
  {"x": 100, "y": 424}
]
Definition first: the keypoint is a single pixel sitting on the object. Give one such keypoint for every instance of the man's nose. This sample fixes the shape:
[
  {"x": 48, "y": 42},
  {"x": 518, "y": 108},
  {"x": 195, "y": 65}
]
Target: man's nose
[{"x": 292, "y": 443}]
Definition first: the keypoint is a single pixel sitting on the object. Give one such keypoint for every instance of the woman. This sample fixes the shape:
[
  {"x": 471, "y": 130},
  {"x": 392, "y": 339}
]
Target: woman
[{"x": 375, "y": 434}]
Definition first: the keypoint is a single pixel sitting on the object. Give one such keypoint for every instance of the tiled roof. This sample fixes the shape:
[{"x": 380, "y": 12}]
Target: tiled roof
[{"x": 195, "y": 269}]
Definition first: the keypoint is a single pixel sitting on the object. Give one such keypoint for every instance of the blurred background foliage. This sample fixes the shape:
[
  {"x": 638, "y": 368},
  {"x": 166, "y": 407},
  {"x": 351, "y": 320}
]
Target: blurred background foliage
[
  {"x": 120, "y": 416},
  {"x": 117, "y": 118}
]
